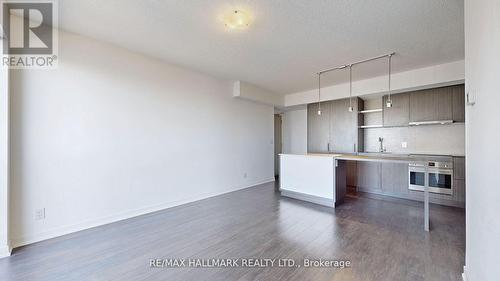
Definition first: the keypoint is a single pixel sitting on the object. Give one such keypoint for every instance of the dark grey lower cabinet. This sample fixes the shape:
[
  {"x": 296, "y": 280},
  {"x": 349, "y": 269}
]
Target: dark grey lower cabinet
[
  {"x": 369, "y": 176},
  {"x": 459, "y": 168},
  {"x": 459, "y": 191},
  {"x": 383, "y": 178},
  {"x": 340, "y": 181},
  {"x": 391, "y": 179},
  {"x": 459, "y": 179},
  {"x": 395, "y": 178},
  {"x": 352, "y": 173}
]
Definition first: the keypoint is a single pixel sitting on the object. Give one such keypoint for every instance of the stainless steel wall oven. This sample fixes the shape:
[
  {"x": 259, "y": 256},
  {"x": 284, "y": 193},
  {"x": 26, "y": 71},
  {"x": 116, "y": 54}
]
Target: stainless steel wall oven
[{"x": 439, "y": 173}]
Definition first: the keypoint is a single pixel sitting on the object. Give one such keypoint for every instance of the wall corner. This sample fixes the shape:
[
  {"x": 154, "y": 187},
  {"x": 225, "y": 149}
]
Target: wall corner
[{"x": 5, "y": 251}]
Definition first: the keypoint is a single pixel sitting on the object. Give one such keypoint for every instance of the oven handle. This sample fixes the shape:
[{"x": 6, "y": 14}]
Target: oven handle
[
  {"x": 440, "y": 171},
  {"x": 416, "y": 169}
]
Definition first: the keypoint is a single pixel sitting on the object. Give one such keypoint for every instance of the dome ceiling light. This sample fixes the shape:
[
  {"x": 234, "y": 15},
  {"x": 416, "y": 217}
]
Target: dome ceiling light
[{"x": 237, "y": 19}]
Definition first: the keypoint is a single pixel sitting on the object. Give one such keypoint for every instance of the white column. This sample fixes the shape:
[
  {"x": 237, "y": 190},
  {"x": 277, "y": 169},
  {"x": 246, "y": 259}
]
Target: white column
[
  {"x": 482, "y": 209},
  {"x": 4, "y": 160}
]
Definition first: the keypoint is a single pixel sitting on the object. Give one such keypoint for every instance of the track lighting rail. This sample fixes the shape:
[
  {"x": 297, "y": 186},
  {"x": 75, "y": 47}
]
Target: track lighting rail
[{"x": 354, "y": 63}]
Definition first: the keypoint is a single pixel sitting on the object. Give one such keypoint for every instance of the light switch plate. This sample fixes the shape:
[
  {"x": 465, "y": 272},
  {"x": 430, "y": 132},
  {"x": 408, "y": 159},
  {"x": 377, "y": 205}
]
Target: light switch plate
[
  {"x": 40, "y": 214},
  {"x": 404, "y": 144},
  {"x": 470, "y": 95}
]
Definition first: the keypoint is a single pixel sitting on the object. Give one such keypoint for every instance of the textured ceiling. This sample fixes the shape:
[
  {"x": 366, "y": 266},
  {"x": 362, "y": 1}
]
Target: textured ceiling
[{"x": 288, "y": 42}]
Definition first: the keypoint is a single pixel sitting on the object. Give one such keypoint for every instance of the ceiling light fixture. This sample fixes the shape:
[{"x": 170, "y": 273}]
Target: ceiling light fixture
[
  {"x": 388, "y": 103},
  {"x": 319, "y": 93},
  {"x": 351, "y": 108},
  {"x": 237, "y": 19}
]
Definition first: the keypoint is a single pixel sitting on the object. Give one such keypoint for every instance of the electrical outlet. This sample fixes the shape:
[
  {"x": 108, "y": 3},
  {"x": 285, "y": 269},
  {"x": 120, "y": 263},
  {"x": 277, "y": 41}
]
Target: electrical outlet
[
  {"x": 404, "y": 144},
  {"x": 245, "y": 175},
  {"x": 40, "y": 214}
]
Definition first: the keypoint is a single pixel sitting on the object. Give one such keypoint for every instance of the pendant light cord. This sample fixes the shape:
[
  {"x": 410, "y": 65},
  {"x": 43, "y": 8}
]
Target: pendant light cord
[
  {"x": 390, "y": 66},
  {"x": 319, "y": 92},
  {"x": 350, "y": 86}
]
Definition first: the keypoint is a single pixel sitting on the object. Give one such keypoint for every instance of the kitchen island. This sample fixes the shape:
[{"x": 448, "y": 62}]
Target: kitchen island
[
  {"x": 321, "y": 178},
  {"x": 309, "y": 177}
]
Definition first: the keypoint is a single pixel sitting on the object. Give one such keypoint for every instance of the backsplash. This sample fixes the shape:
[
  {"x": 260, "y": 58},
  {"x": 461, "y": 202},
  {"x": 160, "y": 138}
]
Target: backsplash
[{"x": 431, "y": 139}]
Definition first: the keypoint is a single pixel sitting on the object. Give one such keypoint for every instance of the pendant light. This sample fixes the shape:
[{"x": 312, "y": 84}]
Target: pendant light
[
  {"x": 319, "y": 93},
  {"x": 344, "y": 66},
  {"x": 351, "y": 109},
  {"x": 388, "y": 103}
]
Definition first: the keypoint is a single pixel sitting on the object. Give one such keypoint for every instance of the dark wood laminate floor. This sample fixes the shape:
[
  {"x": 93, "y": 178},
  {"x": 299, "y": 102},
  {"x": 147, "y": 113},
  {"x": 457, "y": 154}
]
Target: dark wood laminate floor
[{"x": 384, "y": 240}]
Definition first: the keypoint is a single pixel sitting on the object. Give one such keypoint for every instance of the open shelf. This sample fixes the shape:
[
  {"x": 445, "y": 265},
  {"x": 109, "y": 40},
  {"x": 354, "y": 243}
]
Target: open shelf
[
  {"x": 370, "y": 126},
  {"x": 371, "y": 110}
]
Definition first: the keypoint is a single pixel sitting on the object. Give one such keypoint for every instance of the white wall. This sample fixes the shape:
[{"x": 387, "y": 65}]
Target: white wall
[
  {"x": 295, "y": 131},
  {"x": 428, "y": 77},
  {"x": 252, "y": 92},
  {"x": 482, "y": 72},
  {"x": 4, "y": 161},
  {"x": 111, "y": 134}
]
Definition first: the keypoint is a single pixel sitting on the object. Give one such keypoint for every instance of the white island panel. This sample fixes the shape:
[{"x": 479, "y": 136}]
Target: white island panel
[{"x": 308, "y": 178}]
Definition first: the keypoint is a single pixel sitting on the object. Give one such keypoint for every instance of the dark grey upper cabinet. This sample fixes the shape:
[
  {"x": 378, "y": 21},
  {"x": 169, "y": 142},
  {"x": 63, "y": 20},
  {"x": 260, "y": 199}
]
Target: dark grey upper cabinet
[
  {"x": 422, "y": 106},
  {"x": 431, "y": 105},
  {"x": 459, "y": 103},
  {"x": 318, "y": 127},
  {"x": 444, "y": 103},
  {"x": 398, "y": 114},
  {"x": 336, "y": 129},
  {"x": 344, "y": 126}
]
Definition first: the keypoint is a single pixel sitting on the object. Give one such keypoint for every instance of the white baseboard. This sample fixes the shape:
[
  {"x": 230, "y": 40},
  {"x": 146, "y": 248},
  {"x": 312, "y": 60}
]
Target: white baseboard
[
  {"x": 309, "y": 198},
  {"x": 63, "y": 230},
  {"x": 464, "y": 275},
  {"x": 5, "y": 251}
]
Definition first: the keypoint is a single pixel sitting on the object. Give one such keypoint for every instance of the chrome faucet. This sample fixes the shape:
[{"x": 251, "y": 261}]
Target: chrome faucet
[{"x": 381, "y": 141}]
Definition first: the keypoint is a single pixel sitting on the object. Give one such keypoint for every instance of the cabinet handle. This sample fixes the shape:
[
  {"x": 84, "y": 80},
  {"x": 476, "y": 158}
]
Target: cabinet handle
[
  {"x": 354, "y": 147},
  {"x": 328, "y": 147}
]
